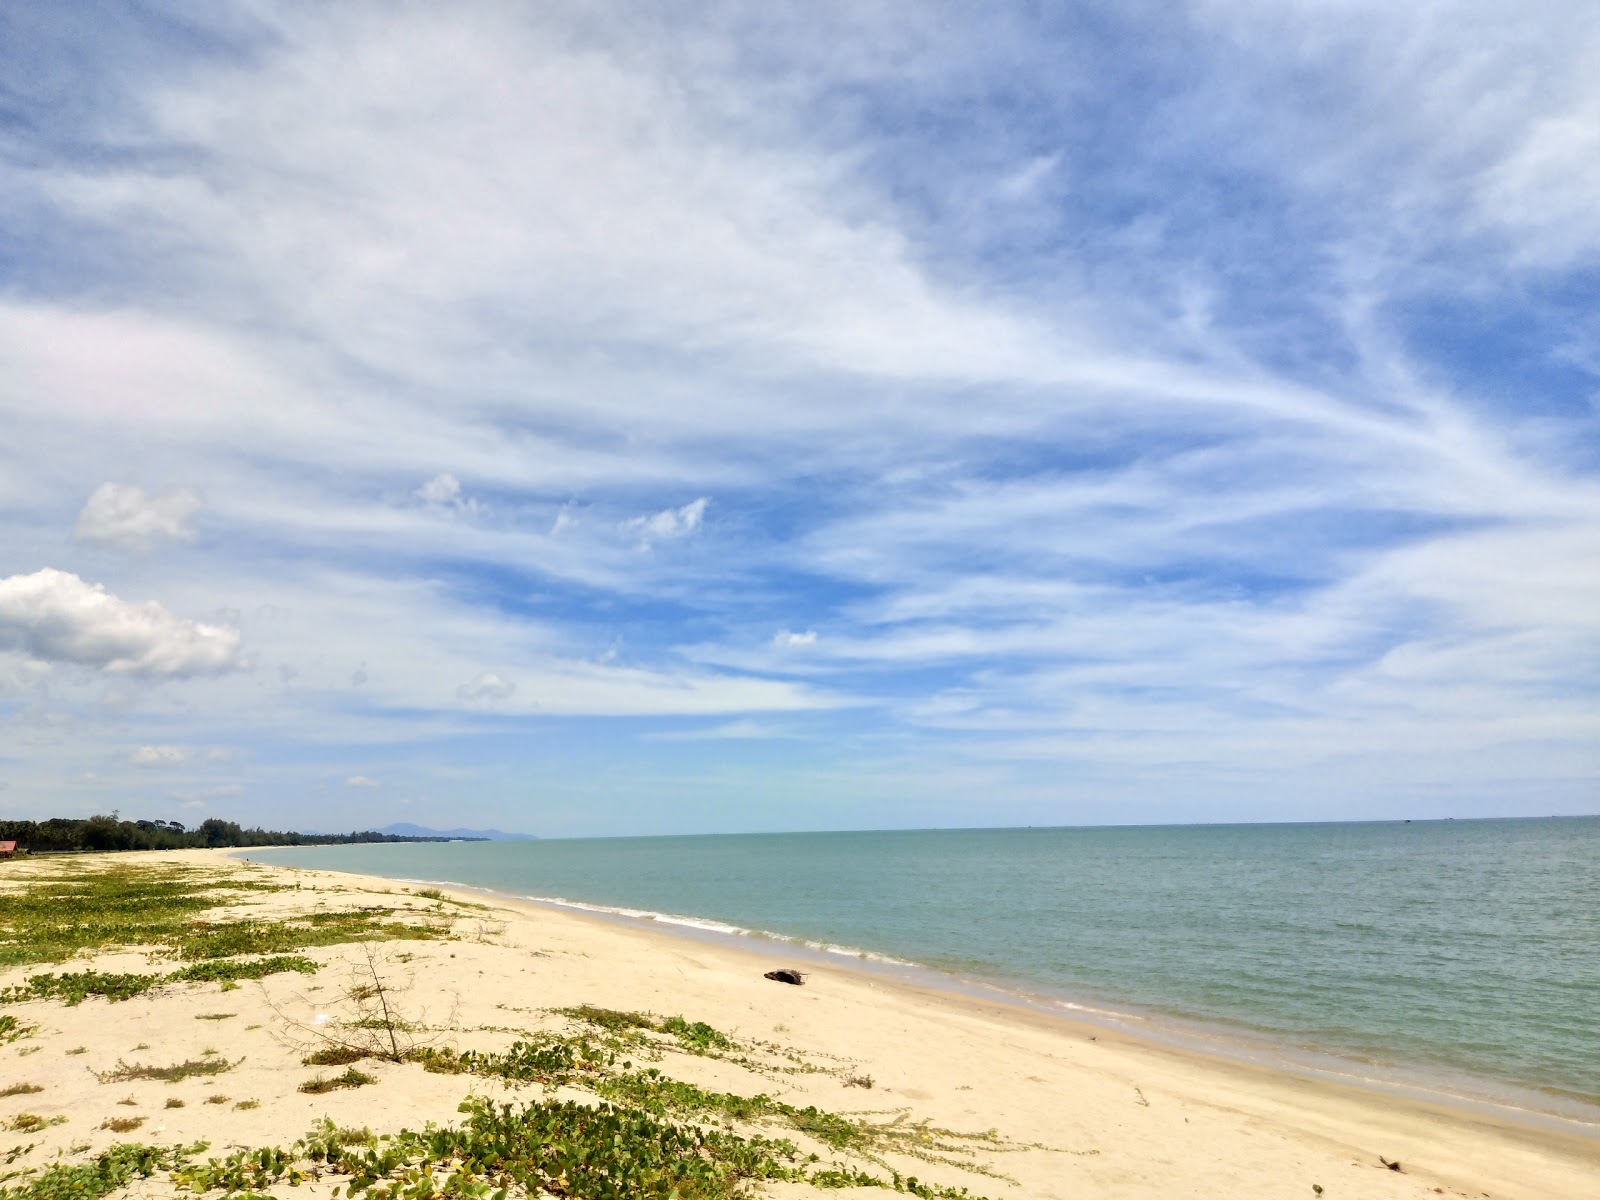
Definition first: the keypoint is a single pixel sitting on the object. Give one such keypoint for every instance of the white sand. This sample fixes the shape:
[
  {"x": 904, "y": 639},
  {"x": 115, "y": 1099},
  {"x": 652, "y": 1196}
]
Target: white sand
[{"x": 1109, "y": 1116}]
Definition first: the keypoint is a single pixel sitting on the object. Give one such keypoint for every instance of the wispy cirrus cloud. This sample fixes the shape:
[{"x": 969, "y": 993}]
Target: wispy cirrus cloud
[{"x": 1224, "y": 401}]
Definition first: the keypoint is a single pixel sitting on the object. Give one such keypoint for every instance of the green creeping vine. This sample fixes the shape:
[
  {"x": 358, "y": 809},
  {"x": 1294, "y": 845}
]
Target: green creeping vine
[
  {"x": 558, "y": 1148},
  {"x": 544, "y": 1058},
  {"x": 74, "y": 987},
  {"x": 115, "y": 1168},
  {"x": 852, "y": 1133}
]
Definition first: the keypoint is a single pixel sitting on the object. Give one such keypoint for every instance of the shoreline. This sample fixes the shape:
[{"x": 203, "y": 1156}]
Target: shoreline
[
  {"x": 1216, "y": 1039},
  {"x": 1071, "y": 1108}
]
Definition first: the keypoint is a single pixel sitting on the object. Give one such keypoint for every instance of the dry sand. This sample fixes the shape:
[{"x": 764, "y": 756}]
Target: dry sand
[{"x": 1090, "y": 1113}]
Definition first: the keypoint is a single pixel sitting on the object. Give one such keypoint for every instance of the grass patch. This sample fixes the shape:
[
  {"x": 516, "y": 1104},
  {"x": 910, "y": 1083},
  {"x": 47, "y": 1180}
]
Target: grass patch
[
  {"x": 74, "y": 987},
  {"x": 77, "y": 910},
  {"x": 27, "y": 1122},
  {"x": 174, "y": 1102},
  {"x": 334, "y": 1056},
  {"x": 122, "y": 1124},
  {"x": 12, "y": 1030},
  {"x": 21, "y": 1089},
  {"x": 247, "y": 1105},
  {"x": 610, "y": 1019},
  {"x": 202, "y": 1068},
  {"x": 298, "y": 933},
  {"x": 351, "y": 1078},
  {"x": 214, "y": 1016},
  {"x": 219, "y": 1098}
]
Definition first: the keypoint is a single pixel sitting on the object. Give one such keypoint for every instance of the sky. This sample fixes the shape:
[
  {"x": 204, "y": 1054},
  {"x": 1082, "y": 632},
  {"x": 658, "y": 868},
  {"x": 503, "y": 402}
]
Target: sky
[{"x": 593, "y": 419}]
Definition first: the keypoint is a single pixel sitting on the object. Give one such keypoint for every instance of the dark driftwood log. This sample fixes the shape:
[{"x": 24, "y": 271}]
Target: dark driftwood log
[{"x": 785, "y": 975}]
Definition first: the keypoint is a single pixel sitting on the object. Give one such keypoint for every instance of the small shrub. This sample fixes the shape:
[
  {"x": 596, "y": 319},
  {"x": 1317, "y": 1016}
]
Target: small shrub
[
  {"x": 172, "y": 1074},
  {"x": 27, "y": 1122},
  {"x": 334, "y": 1056},
  {"x": 12, "y": 1029},
  {"x": 219, "y": 1098},
  {"x": 21, "y": 1089},
  {"x": 247, "y": 1105},
  {"x": 79, "y": 1050},
  {"x": 351, "y": 1078},
  {"x": 174, "y": 1102},
  {"x": 122, "y": 1124}
]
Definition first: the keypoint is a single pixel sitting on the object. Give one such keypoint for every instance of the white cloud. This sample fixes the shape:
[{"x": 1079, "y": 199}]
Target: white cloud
[
  {"x": 159, "y": 756},
  {"x": 486, "y": 686},
  {"x": 670, "y": 522},
  {"x": 125, "y": 516},
  {"x": 742, "y": 730},
  {"x": 57, "y": 617},
  {"x": 361, "y": 781},
  {"x": 444, "y": 491},
  {"x": 788, "y": 639}
]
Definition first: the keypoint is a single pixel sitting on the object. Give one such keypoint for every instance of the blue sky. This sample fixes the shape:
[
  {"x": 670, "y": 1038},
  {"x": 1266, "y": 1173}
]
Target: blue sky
[{"x": 750, "y": 417}]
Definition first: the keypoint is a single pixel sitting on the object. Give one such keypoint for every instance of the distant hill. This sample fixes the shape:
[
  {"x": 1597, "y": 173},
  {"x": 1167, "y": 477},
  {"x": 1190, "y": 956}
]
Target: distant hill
[{"x": 405, "y": 829}]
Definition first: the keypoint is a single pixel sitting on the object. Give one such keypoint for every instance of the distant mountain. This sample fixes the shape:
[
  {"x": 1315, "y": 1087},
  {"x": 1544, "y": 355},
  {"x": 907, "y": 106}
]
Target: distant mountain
[{"x": 405, "y": 829}]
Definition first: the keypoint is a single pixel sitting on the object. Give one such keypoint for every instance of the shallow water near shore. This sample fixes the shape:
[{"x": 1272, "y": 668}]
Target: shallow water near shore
[{"x": 1462, "y": 956}]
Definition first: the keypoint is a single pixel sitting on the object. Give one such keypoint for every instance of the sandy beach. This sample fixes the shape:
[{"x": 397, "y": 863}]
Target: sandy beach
[{"x": 1000, "y": 1100}]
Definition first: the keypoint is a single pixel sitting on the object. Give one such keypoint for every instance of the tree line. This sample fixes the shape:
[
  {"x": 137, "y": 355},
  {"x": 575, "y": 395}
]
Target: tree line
[{"x": 112, "y": 833}]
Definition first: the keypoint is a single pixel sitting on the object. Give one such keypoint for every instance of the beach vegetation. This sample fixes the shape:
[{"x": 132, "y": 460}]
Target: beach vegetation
[
  {"x": 334, "y": 1056},
  {"x": 247, "y": 1105},
  {"x": 373, "y": 1023},
  {"x": 20, "y": 1089},
  {"x": 559, "y": 1148},
  {"x": 110, "y": 1171},
  {"x": 74, "y": 987},
  {"x": 122, "y": 1124},
  {"x": 27, "y": 1122},
  {"x": 12, "y": 1029},
  {"x": 203, "y": 1067},
  {"x": 219, "y": 1098},
  {"x": 351, "y": 1078}
]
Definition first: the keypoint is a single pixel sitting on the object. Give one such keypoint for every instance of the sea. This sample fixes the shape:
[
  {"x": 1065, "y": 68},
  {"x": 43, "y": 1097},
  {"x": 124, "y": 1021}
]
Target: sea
[{"x": 1455, "y": 959}]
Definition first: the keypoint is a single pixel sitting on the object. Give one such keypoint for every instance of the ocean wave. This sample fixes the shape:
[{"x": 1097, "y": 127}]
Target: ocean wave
[{"x": 722, "y": 928}]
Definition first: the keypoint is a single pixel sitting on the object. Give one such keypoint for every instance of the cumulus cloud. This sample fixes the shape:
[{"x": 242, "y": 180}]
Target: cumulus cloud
[
  {"x": 159, "y": 756},
  {"x": 444, "y": 491},
  {"x": 57, "y": 617},
  {"x": 361, "y": 781},
  {"x": 788, "y": 638},
  {"x": 486, "y": 686},
  {"x": 128, "y": 517},
  {"x": 670, "y": 522}
]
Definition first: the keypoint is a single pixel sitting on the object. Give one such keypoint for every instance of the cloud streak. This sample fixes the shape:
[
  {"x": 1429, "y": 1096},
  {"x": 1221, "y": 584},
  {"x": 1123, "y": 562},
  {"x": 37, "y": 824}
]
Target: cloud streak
[{"x": 1212, "y": 419}]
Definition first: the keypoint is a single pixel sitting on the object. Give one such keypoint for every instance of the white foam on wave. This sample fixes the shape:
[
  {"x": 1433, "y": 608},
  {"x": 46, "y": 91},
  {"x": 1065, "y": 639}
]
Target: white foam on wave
[{"x": 707, "y": 925}]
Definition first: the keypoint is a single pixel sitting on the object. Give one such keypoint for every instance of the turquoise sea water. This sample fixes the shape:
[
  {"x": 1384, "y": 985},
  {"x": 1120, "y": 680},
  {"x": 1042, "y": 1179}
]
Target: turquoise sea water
[{"x": 1462, "y": 955}]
